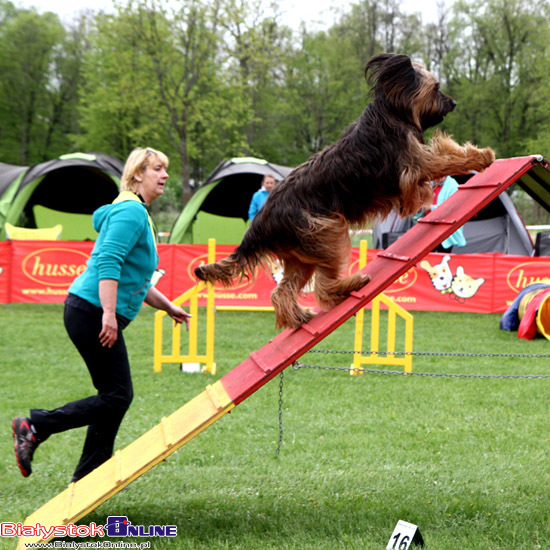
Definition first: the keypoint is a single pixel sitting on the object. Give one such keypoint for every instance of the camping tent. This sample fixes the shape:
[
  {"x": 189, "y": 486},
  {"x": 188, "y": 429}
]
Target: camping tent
[
  {"x": 496, "y": 228},
  {"x": 62, "y": 191},
  {"x": 219, "y": 207}
]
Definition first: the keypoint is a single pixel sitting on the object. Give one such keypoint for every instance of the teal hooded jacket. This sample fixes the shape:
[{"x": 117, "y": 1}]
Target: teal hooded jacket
[{"x": 125, "y": 250}]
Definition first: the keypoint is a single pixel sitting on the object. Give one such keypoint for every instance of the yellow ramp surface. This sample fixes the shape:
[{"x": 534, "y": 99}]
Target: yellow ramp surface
[{"x": 127, "y": 464}]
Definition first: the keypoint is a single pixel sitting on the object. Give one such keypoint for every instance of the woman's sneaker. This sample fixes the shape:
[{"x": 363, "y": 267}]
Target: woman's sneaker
[{"x": 25, "y": 443}]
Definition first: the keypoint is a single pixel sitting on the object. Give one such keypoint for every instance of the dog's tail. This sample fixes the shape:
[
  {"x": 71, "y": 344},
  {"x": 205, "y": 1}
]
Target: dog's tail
[{"x": 239, "y": 265}]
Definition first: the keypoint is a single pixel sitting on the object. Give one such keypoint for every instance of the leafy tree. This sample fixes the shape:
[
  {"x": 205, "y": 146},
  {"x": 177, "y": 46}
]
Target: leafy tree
[
  {"x": 63, "y": 86},
  {"x": 152, "y": 77},
  {"x": 493, "y": 70},
  {"x": 437, "y": 42},
  {"x": 119, "y": 107},
  {"x": 28, "y": 42},
  {"x": 374, "y": 26},
  {"x": 323, "y": 91},
  {"x": 257, "y": 48}
]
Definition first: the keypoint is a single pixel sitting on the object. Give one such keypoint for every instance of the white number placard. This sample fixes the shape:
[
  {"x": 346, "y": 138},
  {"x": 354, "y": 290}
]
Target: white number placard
[{"x": 404, "y": 535}]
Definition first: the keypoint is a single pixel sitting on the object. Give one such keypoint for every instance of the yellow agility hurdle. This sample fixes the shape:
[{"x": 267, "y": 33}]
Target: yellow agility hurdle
[
  {"x": 394, "y": 310},
  {"x": 176, "y": 356}
]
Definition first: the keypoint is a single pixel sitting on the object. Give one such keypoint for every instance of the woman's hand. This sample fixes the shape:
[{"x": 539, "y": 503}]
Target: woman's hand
[
  {"x": 109, "y": 330},
  {"x": 179, "y": 315},
  {"x": 108, "y": 289}
]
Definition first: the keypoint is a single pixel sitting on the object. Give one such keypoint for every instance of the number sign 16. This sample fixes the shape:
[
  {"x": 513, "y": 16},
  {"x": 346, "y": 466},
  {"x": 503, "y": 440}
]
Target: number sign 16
[{"x": 404, "y": 535}]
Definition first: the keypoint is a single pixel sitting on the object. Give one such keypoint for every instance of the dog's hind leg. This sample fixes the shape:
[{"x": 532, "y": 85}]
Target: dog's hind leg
[
  {"x": 330, "y": 289},
  {"x": 288, "y": 313},
  {"x": 333, "y": 254}
]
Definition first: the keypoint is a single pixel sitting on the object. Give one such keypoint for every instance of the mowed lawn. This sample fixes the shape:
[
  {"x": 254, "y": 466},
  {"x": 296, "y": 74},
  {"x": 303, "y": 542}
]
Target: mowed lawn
[{"x": 466, "y": 459}]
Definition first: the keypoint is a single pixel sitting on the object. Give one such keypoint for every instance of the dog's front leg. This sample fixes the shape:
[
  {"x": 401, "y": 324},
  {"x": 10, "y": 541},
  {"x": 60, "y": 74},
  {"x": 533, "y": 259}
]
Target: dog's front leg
[{"x": 448, "y": 157}]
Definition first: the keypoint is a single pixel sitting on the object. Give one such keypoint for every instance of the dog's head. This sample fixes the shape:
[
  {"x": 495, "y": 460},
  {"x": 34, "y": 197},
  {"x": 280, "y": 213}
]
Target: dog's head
[{"x": 407, "y": 89}]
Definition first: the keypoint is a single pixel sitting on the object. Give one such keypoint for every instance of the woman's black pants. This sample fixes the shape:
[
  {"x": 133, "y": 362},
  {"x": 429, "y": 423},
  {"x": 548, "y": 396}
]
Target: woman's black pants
[{"x": 110, "y": 372}]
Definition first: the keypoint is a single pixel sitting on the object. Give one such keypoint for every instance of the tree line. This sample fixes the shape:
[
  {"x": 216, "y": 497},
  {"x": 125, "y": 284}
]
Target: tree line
[{"x": 206, "y": 80}]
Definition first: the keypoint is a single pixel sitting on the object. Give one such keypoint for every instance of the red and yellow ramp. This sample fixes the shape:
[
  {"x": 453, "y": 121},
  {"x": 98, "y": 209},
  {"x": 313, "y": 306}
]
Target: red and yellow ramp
[{"x": 262, "y": 365}]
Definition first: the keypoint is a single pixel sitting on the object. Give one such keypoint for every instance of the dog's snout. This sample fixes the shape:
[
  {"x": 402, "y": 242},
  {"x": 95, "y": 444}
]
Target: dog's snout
[{"x": 452, "y": 103}]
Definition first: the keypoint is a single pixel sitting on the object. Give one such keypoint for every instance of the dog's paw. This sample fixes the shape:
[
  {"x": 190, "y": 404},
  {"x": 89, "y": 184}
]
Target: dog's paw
[
  {"x": 487, "y": 157},
  {"x": 479, "y": 159},
  {"x": 362, "y": 281},
  {"x": 298, "y": 319}
]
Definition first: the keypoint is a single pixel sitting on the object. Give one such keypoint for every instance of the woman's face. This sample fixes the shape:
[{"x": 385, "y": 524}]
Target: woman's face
[
  {"x": 152, "y": 180},
  {"x": 269, "y": 184}
]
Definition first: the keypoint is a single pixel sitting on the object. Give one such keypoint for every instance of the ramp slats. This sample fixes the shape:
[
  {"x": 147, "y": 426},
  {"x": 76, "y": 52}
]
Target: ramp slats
[
  {"x": 69, "y": 501},
  {"x": 436, "y": 221},
  {"x": 118, "y": 458},
  {"x": 258, "y": 360},
  {"x": 167, "y": 432},
  {"x": 310, "y": 329},
  {"x": 214, "y": 398}
]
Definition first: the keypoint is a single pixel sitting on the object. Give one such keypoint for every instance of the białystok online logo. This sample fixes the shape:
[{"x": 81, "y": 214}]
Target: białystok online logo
[{"x": 117, "y": 526}]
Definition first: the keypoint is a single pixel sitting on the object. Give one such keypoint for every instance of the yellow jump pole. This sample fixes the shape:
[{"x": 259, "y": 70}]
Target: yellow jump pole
[
  {"x": 210, "y": 366},
  {"x": 359, "y": 319},
  {"x": 394, "y": 310}
]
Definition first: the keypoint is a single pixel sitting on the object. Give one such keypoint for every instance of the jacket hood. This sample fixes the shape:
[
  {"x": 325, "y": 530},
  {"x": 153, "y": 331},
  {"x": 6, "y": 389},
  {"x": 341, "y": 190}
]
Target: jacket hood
[{"x": 100, "y": 215}]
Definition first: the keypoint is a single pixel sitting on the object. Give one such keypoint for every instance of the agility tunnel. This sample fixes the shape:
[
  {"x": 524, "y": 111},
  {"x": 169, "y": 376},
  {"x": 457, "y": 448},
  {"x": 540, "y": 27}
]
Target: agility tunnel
[
  {"x": 529, "y": 313},
  {"x": 532, "y": 173},
  {"x": 534, "y": 314}
]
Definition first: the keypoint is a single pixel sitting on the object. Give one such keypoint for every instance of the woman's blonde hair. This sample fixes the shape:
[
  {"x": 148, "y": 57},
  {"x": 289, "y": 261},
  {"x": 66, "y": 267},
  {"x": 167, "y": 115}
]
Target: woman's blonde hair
[{"x": 137, "y": 162}]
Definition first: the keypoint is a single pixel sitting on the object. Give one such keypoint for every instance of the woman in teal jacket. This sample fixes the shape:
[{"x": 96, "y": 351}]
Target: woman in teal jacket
[
  {"x": 102, "y": 301},
  {"x": 443, "y": 188}
]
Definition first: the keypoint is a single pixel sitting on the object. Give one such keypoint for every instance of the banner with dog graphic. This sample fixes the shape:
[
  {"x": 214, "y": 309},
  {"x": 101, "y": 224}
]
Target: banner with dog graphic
[{"x": 41, "y": 272}]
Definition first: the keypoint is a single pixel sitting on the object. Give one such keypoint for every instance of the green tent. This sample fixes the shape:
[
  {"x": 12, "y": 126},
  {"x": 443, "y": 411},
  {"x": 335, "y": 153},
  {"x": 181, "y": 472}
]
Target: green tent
[
  {"x": 219, "y": 207},
  {"x": 65, "y": 191}
]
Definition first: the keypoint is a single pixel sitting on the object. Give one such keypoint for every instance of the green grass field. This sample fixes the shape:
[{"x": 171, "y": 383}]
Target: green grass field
[{"x": 465, "y": 459}]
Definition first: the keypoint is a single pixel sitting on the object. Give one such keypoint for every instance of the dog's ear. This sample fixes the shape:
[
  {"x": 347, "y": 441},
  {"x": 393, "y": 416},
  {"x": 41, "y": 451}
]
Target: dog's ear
[{"x": 390, "y": 75}]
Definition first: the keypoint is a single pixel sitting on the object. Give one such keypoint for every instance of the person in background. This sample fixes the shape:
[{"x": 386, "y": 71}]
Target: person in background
[
  {"x": 443, "y": 188},
  {"x": 260, "y": 196},
  {"x": 102, "y": 301}
]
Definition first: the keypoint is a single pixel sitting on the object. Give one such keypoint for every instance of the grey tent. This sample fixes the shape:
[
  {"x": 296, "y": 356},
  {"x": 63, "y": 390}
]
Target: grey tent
[
  {"x": 496, "y": 228},
  {"x": 219, "y": 207},
  {"x": 65, "y": 191}
]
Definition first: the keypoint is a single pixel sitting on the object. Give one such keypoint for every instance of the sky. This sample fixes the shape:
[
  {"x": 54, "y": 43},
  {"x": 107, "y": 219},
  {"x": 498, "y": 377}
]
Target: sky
[{"x": 322, "y": 15}]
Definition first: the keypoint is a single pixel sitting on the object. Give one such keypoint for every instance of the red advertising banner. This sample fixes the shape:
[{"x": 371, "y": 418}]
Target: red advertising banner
[
  {"x": 443, "y": 282},
  {"x": 5, "y": 265},
  {"x": 41, "y": 272}
]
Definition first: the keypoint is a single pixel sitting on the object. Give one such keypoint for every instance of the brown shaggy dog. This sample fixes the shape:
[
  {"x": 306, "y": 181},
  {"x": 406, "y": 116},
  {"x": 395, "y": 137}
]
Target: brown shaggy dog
[{"x": 381, "y": 163}]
